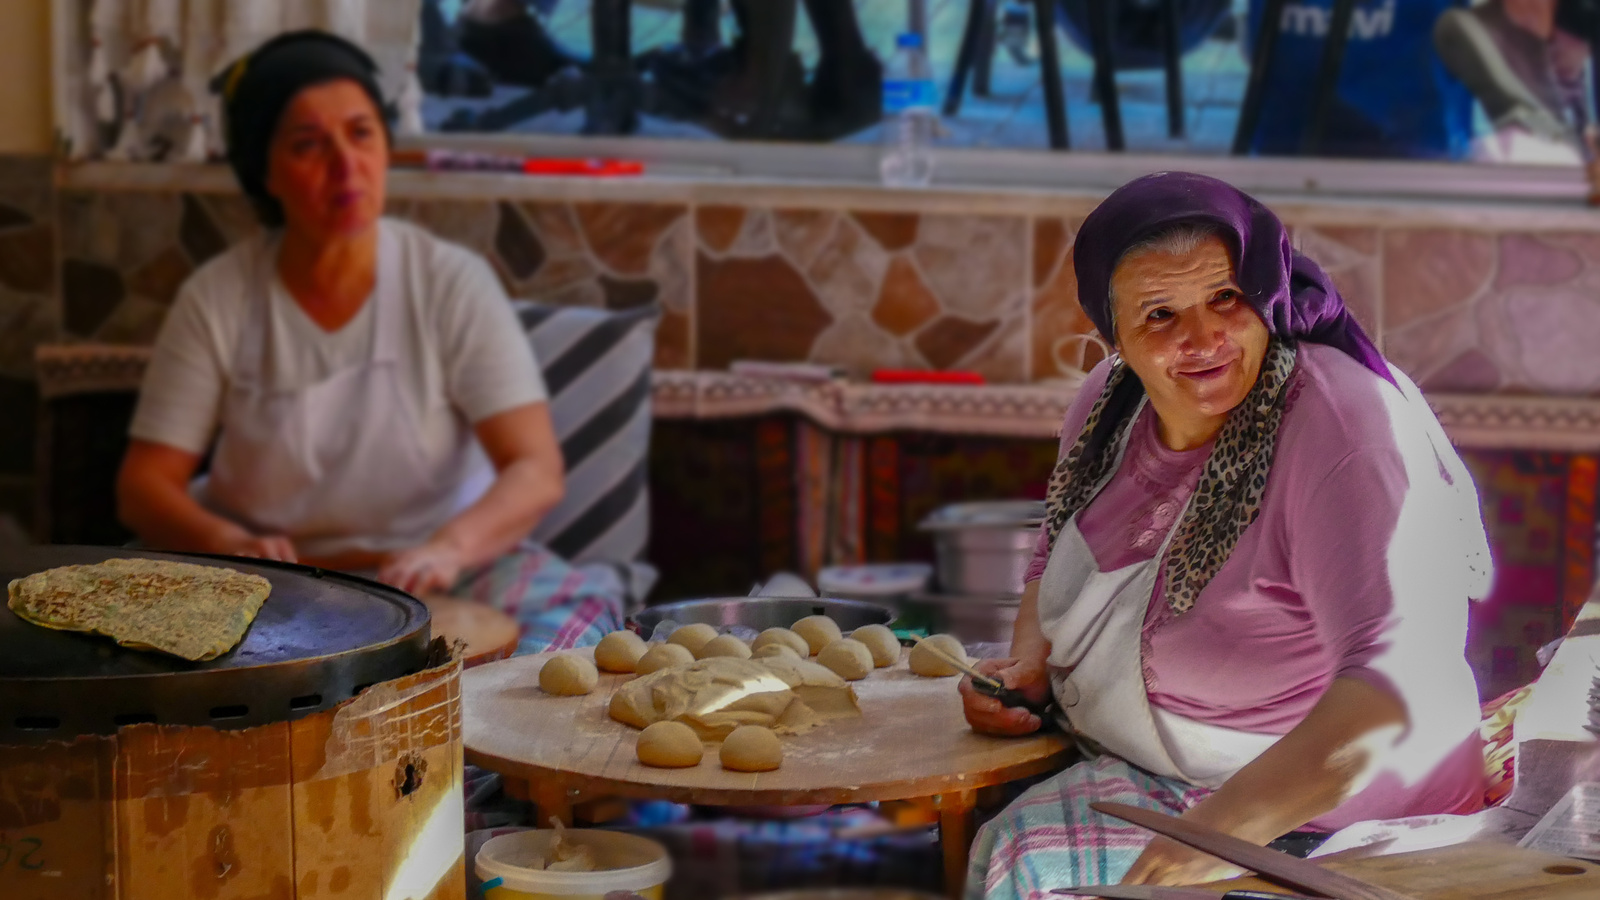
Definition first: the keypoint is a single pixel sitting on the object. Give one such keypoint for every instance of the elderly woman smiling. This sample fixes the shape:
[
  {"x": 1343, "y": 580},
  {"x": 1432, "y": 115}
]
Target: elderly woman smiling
[{"x": 1249, "y": 597}]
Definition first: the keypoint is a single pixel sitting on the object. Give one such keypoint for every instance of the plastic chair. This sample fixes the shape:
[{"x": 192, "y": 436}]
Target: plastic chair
[
  {"x": 978, "y": 40},
  {"x": 1327, "y": 75},
  {"x": 977, "y": 48}
]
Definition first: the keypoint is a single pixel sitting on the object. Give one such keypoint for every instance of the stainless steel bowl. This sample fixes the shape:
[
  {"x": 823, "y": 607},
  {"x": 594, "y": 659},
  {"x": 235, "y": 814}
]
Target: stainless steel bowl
[
  {"x": 984, "y": 548},
  {"x": 762, "y": 612}
]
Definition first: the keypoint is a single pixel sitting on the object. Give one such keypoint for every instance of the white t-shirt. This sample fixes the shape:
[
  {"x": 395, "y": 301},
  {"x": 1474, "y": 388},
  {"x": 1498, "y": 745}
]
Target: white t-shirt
[{"x": 465, "y": 353}]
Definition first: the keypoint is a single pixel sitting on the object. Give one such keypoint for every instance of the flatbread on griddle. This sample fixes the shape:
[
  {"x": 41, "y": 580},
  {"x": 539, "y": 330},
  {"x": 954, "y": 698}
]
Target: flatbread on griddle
[{"x": 195, "y": 612}]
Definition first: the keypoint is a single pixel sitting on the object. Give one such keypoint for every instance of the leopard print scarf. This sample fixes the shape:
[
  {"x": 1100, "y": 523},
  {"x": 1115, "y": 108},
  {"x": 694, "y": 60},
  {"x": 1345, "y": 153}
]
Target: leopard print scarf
[{"x": 1228, "y": 497}]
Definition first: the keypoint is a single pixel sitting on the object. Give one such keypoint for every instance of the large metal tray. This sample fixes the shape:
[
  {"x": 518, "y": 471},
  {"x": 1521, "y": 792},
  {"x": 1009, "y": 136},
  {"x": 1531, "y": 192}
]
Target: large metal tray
[
  {"x": 761, "y": 613},
  {"x": 321, "y": 637}
]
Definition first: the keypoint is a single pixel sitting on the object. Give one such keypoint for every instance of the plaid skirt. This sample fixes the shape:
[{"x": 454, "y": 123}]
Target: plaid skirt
[
  {"x": 558, "y": 606},
  {"x": 1049, "y": 837}
]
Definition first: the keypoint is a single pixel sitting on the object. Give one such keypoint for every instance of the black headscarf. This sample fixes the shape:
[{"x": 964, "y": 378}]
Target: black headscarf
[{"x": 257, "y": 87}]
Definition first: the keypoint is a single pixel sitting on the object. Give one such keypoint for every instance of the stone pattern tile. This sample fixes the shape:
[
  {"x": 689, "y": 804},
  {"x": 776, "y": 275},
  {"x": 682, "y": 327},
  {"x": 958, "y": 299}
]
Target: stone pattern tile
[
  {"x": 1479, "y": 312},
  {"x": 125, "y": 254},
  {"x": 1460, "y": 310},
  {"x": 862, "y": 290},
  {"x": 1064, "y": 342},
  {"x": 1353, "y": 258}
]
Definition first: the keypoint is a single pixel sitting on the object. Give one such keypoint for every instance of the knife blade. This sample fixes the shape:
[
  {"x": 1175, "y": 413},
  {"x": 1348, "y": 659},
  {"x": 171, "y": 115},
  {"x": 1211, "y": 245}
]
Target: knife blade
[
  {"x": 991, "y": 686},
  {"x": 1292, "y": 871},
  {"x": 1159, "y": 892}
]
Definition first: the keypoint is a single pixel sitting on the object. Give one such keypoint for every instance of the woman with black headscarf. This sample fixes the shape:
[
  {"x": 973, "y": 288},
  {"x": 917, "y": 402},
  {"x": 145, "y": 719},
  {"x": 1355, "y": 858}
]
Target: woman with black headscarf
[
  {"x": 1249, "y": 597},
  {"x": 367, "y": 398}
]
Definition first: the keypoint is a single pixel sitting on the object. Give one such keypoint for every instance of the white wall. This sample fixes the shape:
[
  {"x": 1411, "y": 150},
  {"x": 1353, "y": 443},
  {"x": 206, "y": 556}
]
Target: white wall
[{"x": 25, "y": 125}]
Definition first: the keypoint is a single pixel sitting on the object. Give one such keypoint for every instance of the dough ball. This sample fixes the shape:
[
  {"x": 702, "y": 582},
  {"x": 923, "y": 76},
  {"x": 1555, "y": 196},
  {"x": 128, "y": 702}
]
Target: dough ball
[
  {"x": 693, "y": 636},
  {"x": 619, "y": 651},
  {"x": 568, "y": 675},
  {"x": 662, "y": 656},
  {"x": 850, "y": 660},
  {"x": 751, "y": 748},
  {"x": 881, "y": 641},
  {"x": 670, "y": 745},
  {"x": 775, "y": 649},
  {"x": 818, "y": 632},
  {"x": 925, "y": 662},
  {"x": 784, "y": 638},
  {"x": 724, "y": 645}
]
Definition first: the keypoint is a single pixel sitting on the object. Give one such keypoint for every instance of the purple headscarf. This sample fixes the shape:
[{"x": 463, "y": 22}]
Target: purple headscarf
[{"x": 1292, "y": 294}]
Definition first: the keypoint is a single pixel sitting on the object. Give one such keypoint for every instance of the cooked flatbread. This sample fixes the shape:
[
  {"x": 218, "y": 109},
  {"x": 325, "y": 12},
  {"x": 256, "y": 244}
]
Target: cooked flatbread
[{"x": 196, "y": 612}]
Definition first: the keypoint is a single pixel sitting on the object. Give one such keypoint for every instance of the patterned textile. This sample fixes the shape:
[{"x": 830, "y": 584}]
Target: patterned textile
[
  {"x": 1499, "y": 743},
  {"x": 558, "y": 605},
  {"x": 597, "y": 370},
  {"x": 1539, "y": 510},
  {"x": 1049, "y": 837},
  {"x": 1228, "y": 497}
]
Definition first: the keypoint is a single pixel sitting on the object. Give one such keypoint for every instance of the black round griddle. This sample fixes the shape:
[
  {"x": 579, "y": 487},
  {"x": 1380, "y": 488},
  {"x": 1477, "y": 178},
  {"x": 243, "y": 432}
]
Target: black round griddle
[{"x": 321, "y": 637}]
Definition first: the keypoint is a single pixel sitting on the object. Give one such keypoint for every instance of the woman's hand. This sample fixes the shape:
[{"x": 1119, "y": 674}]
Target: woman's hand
[
  {"x": 987, "y": 715},
  {"x": 1167, "y": 862},
  {"x": 251, "y": 546},
  {"x": 432, "y": 568}
]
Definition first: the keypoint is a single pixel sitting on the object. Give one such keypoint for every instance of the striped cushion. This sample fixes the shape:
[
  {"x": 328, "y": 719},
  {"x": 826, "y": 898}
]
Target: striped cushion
[{"x": 597, "y": 368}]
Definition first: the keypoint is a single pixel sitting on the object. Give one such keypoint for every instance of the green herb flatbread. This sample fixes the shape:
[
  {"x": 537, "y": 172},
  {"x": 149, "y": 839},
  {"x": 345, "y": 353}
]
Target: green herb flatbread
[{"x": 195, "y": 612}]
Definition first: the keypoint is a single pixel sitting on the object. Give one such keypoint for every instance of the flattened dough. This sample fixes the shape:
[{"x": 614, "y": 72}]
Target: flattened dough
[
  {"x": 724, "y": 645},
  {"x": 714, "y": 696},
  {"x": 568, "y": 675},
  {"x": 850, "y": 660},
  {"x": 881, "y": 641},
  {"x": 670, "y": 745},
  {"x": 619, "y": 651},
  {"x": 693, "y": 636},
  {"x": 783, "y": 637},
  {"x": 925, "y": 662},
  {"x": 751, "y": 749},
  {"x": 818, "y": 632}
]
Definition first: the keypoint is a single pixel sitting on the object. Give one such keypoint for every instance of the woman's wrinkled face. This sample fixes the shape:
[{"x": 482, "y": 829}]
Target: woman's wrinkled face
[
  {"x": 1183, "y": 326},
  {"x": 329, "y": 161}
]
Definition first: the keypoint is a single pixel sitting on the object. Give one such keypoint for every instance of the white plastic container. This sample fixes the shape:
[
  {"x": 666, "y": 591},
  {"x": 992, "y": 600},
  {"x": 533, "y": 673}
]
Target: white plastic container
[
  {"x": 629, "y": 863},
  {"x": 890, "y": 584}
]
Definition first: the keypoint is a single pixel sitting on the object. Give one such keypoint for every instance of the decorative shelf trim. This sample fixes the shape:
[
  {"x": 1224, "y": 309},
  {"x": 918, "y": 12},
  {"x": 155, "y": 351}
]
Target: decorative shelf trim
[{"x": 1492, "y": 421}]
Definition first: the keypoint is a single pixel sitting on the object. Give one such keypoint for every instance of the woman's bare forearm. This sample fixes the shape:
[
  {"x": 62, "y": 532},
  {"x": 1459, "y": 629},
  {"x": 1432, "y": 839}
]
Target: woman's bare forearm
[
  {"x": 523, "y": 493},
  {"x": 153, "y": 501},
  {"x": 1028, "y": 642},
  {"x": 1326, "y": 759}
]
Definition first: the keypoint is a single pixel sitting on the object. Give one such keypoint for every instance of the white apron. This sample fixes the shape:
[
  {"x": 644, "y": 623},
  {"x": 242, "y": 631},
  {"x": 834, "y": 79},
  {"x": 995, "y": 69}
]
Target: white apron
[
  {"x": 1094, "y": 621},
  {"x": 340, "y": 464}
]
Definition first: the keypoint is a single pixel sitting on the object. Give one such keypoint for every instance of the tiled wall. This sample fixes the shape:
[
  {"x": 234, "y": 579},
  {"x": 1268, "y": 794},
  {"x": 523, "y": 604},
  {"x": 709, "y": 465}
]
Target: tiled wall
[
  {"x": 1465, "y": 311},
  {"x": 1461, "y": 310}
]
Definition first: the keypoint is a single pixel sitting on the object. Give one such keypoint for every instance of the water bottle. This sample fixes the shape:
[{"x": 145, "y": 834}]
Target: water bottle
[{"x": 908, "y": 116}]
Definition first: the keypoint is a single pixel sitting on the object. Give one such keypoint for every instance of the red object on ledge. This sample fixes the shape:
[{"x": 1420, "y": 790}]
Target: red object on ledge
[{"x": 916, "y": 376}]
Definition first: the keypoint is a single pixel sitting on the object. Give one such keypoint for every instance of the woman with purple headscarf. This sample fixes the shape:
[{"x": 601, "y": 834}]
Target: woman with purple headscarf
[{"x": 1249, "y": 598}]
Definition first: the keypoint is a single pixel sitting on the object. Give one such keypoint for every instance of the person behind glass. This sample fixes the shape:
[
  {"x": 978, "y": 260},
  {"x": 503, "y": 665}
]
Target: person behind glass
[
  {"x": 367, "y": 397},
  {"x": 1250, "y": 590}
]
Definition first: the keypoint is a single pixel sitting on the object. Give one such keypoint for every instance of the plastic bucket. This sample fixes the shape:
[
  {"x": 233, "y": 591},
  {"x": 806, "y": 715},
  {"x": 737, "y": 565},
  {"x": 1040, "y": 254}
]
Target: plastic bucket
[{"x": 628, "y": 863}]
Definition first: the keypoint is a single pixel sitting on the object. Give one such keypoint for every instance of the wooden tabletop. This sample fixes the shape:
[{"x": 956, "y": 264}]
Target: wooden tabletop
[
  {"x": 911, "y": 741},
  {"x": 489, "y": 633}
]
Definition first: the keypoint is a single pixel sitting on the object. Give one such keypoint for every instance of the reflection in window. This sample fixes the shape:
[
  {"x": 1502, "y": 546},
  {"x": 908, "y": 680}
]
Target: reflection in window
[{"x": 1492, "y": 81}]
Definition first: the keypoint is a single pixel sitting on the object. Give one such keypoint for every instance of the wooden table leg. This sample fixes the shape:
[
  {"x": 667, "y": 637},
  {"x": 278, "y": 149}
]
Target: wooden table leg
[
  {"x": 956, "y": 812},
  {"x": 549, "y": 797},
  {"x": 551, "y": 800}
]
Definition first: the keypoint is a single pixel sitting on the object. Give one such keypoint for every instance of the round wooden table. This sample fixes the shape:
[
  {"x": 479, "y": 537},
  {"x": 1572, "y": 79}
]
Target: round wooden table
[
  {"x": 911, "y": 743},
  {"x": 488, "y": 633}
]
